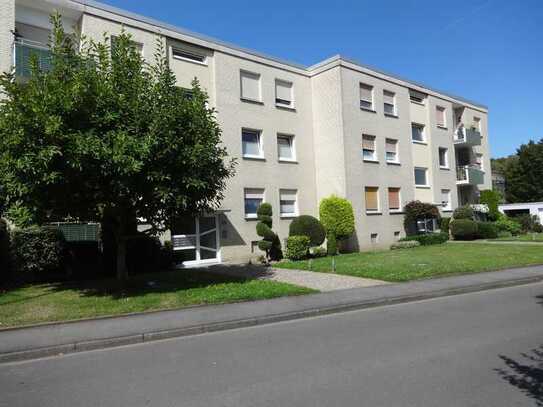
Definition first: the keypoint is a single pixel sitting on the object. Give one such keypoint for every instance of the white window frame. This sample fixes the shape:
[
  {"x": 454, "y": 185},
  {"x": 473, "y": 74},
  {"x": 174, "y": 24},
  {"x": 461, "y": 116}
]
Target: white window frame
[
  {"x": 396, "y": 143},
  {"x": 292, "y": 142},
  {"x": 372, "y": 97},
  {"x": 374, "y": 156},
  {"x": 477, "y": 122},
  {"x": 422, "y": 132},
  {"x": 252, "y": 191},
  {"x": 446, "y": 166},
  {"x": 425, "y": 223},
  {"x": 479, "y": 159},
  {"x": 374, "y": 240},
  {"x": 394, "y": 108},
  {"x": 291, "y": 192},
  {"x": 426, "y": 185},
  {"x": 199, "y": 59},
  {"x": 260, "y": 156},
  {"x": 444, "y": 110},
  {"x": 291, "y": 85},
  {"x": 447, "y": 207},
  {"x": 256, "y": 76}
]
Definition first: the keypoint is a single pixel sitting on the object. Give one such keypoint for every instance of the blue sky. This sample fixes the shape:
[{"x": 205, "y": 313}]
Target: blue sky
[{"x": 490, "y": 51}]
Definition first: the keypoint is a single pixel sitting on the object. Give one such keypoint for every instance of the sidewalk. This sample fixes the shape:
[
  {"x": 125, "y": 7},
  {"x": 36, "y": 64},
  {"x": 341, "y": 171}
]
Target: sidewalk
[{"x": 57, "y": 338}]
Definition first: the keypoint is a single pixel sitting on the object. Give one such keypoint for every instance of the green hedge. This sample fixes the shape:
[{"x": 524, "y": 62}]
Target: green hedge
[
  {"x": 463, "y": 229},
  {"x": 487, "y": 230},
  {"x": 5, "y": 256},
  {"x": 297, "y": 247},
  {"x": 428, "y": 239},
  {"x": 406, "y": 244},
  {"x": 306, "y": 225},
  {"x": 505, "y": 224},
  {"x": 38, "y": 252}
]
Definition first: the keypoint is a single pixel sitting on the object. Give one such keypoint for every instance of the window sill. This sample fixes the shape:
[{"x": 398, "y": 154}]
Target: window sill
[
  {"x": 442, "y": 127},
  {"x": 423, "y": 186},
  {"x": 365, "y": 109},
  {"x": 284, "y": 160},
  {"x": 291, "y": 216},
  {"x": 371, "y": 213},
  {"x": 444, "y": 168},
  {"x": 396, "y": 212},
  {"x": 254, "y": 157},
  {"x": 251, "y": 217},
  {"x": 392, "y": 116},
  {"x": 253, "y": 101},
  {"x": 394, "y": 163},
  {"x": 367, "y": 160},
  {"x": 285, "y": 107},
  {"x": 424, "y": 143},
  {"x": 417, "y": 103}
]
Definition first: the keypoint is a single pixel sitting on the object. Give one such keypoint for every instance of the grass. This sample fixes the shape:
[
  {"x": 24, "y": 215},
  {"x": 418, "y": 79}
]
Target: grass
[
  {"x": 426, "y": 261},
  {"x": 174, "y": 289},
  {"x": 529, "y": 237}
]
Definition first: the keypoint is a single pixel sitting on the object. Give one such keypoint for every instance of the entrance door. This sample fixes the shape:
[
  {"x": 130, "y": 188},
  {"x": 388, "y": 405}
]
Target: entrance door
[{"x": 196, "y": 240}]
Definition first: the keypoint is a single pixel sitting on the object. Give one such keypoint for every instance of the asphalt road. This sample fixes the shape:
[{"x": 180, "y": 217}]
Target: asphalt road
[{"x": 479, "y": 349}]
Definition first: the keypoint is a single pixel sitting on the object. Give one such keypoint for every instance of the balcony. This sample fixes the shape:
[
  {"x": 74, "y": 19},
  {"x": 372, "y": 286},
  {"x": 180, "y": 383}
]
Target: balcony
[
  {"x": 25, "y": 50},
  {"x": 469, "y": 175},
  {"x": 464, "y": 137}
]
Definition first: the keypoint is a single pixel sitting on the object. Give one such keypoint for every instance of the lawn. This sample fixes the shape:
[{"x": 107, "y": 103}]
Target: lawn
[
  {"x": 426, "y": 261},
  {"x": 166, "y": 290},
  {"x": 529, "y": 237}
]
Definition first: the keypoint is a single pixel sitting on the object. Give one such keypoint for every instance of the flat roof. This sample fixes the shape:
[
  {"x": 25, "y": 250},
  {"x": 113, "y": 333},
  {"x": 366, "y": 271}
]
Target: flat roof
[{"x": 308, "y": 69}]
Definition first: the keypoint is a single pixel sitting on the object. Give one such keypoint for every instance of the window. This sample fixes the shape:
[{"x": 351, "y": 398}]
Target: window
[
  {"x": 417, "y": 133},
  {"x": 394, "y": 199},
  {"x": 440, "y": 116},
  {"x": 416, "y": 97},
  {"x": 288, "y": 205},
  {"x": 366, "y": 97},
  {"x": 446, "y": 199},
  {"x": 188, "y": 56},
  {"x": 479, "y": 161},
  {"x": 388, "y": 103},
  {"x": 426, "y": 225},
  {"x": 374, "y": 238},
  {"x": 421, "y": 177},
  {"x": 253, "y": 198},
  {"x": 285, "y": 147},
  {"x": 443, "y": 157},
  {"x": 397, "y": 235},
  {"x": 250, "y": 86},
  {"x": 251, "y": 143},
  {"x": 372, "y": 199},
  {"x": 391, "y": 150},
  {"x": 283, "y": 93},
  {"x": 368, "y": 148},
  {"x": 477, "y": 123}
]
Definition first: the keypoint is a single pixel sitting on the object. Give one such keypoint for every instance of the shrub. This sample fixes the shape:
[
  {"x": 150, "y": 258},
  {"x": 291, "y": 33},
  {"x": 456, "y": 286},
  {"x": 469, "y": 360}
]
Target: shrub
[
  {"x": 492, "y": 199},
  {"x": 444, "y": 225},
  {"x": 318, "y": 252},
  {"x": 306, "y": 225},
  {"x": 463, "y": 212},
  {"x": 428, "y": 239},
  {"x": 406, "y": 244},
  {"x": 337, "y": 217},
  {"x": 270, "y": 241},
  {"x": 417, "y": 210},
  {"x": 5, "y": 254},
  {"x": 297, "y": 247},
  {"x": 38, "y": 251},
  {"x": 504, "y": 233},
  {"x": 487, "y": 230},
  {"x": 463, "y": 229},
  {"x": 527, "y": 222},
  {"x": 505, "y": 224}
]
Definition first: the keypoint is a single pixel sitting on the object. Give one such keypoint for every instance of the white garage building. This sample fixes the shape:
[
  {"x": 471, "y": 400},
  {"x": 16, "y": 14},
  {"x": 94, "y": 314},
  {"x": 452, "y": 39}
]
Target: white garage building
[{"x": 533, "y": 208}]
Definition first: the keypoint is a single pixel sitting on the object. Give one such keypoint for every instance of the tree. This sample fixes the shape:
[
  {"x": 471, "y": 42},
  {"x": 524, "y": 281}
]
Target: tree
[
  {"x": 337, "y": 217},
  {"x": 419, "y": 211},
  {"x": 270, "y": 242},
  {"x": 492, "y": 199},
  {"x": 104, "y": 133},
  {"x": 524, "y": 176}
]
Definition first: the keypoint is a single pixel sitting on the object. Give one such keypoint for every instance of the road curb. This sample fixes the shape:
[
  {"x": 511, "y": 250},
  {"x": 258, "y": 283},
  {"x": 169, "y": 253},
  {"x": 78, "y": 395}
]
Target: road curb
[{"x": 111, "y": 342}]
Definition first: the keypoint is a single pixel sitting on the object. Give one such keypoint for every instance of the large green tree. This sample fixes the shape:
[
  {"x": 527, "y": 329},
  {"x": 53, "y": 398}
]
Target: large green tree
[
  {"x": 524, "y": 175},
  {"x": 103, "y": 132}
]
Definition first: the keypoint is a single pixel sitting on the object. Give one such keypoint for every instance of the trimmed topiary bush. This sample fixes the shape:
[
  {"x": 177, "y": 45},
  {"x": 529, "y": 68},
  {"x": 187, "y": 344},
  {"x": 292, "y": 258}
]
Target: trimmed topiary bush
[
  {"x": 428, "y": 239},
  {"x": 406, "y": 244},
  {"x": 463, "y": 212},
  {"x": 38, "y": 251},
  {"x": 505, "y": 224},
  {"x": 463, "y": 229},
  {"x": 270, "y": 241},
  {"x": 487, "y": 230},
  {"x": 337, "y": 217},
  {"x": 297, "y": 247},
  {"x": 306, "y": 225},
  {"x": 444, "y": 225}
]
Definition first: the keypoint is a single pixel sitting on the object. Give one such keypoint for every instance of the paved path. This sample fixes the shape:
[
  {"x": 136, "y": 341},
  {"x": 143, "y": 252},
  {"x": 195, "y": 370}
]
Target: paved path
[
  {"x": 479, "y": 349},
  {"x": 310, "y": 279}
]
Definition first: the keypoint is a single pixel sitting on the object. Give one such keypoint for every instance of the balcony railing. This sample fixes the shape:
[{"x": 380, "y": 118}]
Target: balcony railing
[
  {"x": 469, "y": 175},
  {"x": 467, "y": 137},
  {"x": 25, "y": 50}
]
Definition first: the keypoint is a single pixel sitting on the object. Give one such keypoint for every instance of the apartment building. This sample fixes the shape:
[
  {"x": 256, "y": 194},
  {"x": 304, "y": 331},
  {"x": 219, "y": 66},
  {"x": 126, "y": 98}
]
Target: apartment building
[{"x": 299, "y": 133}]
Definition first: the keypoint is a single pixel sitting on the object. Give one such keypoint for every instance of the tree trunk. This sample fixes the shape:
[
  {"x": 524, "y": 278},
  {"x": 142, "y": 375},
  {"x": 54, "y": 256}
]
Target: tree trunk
[{"x": 122, "y": 272}]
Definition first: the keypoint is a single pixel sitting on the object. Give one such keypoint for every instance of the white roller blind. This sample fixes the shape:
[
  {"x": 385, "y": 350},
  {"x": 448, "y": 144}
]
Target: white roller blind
[
  {"x": 254, "y": 193},
  {"x": 440, "y": 116},
  {"x": 368, "y": 142},
  {"x": 366, "y": 92},
  {"x": 287, "y": 201},
  {"x": 250, "y": 85},
  {"x": 390, "y": 146},
  {"x": 388, "y": 97},
  {"x": 283, "y": 92}
]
